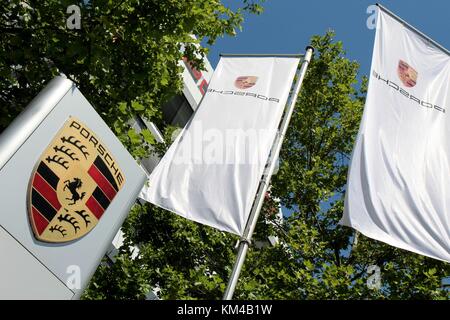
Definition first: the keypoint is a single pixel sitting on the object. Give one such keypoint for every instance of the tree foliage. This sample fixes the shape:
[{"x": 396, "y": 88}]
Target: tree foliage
[{"x": 124, "y": 58}]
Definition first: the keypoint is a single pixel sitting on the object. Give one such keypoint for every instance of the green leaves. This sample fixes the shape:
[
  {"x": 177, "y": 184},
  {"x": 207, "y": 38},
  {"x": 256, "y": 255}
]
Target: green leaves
[
  {"x": 148, "y": 137},
  {"x": 137, "y": 106},
  {"x": 134, "y": 137}
]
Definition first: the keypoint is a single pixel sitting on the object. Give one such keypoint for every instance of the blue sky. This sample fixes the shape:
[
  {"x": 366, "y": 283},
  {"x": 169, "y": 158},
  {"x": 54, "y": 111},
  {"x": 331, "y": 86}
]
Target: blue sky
[{"x": 287, "y": 25}]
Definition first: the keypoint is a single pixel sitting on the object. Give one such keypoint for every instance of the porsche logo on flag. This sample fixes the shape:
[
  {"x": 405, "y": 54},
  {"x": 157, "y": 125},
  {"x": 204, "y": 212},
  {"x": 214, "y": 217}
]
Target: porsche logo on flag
[
  {"x": 245, "y": 82},
  {"x": 73, "y": 183},
  {"x": 407, "y": 74}
]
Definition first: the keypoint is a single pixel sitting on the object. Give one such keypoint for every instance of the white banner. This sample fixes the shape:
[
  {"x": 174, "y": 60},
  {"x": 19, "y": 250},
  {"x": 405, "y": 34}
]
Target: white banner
[
  {"x": 211, "y": 172},
  {"x": 399, "y": 182}
]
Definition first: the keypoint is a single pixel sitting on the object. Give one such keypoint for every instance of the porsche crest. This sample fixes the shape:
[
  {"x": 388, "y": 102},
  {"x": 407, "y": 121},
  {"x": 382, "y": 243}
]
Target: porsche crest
[{"x": 72, "y": 185}]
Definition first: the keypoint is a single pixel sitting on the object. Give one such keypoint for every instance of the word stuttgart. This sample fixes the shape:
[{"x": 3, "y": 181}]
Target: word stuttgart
[
  {"x": 241, "y": 93},
  {"x": 407, "y": 94}
]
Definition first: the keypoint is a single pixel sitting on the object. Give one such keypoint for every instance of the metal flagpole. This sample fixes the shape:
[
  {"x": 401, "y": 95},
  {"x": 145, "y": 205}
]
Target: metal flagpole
[
  {"x": 406, "y": 24},
  {"x": 264, "y": 184}
]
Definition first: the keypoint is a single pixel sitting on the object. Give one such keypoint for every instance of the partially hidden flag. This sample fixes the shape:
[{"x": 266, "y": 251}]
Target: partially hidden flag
[
  {"x": 211, "y": 172},
  {"x": 398, "y": 187}
]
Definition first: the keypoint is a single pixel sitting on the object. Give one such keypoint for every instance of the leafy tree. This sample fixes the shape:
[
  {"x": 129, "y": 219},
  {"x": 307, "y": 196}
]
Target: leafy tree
[
  {"x": 124, "y": 58},
  {"x": 185, "y": 260}
]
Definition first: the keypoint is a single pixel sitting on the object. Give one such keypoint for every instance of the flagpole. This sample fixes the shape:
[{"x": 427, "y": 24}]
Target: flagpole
[
  {"x": 264, "y": 184},
  {"x": 406, "y": 24}
]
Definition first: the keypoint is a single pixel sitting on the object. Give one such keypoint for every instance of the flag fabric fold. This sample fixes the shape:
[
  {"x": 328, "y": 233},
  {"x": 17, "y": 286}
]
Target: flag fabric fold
[
  {"x": 211, "y": 172},
  {"x": 398, "y": 187}
]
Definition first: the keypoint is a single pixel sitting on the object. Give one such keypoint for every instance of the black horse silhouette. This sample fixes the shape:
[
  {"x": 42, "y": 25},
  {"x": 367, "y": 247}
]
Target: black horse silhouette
[{"x": 73, "y": 186}]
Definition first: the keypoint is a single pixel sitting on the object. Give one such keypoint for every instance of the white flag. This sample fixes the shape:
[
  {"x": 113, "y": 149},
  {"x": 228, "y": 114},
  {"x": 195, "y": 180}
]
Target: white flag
[
  {"x": 211, "y": 172},
  {"x": 398, "y": 187}
]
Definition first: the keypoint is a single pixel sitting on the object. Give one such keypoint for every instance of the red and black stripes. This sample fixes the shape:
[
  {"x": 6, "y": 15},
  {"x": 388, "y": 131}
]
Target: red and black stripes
[
  {"x": 106, "y": 188},
  {"x": 48, "y": 175},
  {"x": 44, "y": 200},
  {"x": 101, "y": 165}
]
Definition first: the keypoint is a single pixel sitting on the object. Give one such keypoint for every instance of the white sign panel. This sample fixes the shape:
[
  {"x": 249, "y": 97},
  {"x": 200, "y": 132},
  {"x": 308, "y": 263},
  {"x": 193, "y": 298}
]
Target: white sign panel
[{"x": 66, "y": 185}]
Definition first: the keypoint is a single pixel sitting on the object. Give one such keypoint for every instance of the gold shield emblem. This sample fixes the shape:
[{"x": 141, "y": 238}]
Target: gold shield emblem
[{"x": 72, "y": 185}]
